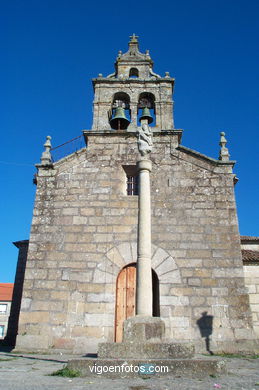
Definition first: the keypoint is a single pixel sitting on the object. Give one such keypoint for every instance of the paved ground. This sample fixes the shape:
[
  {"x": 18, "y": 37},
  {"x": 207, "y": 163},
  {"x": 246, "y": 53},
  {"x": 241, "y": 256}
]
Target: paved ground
[{"x": 31, "y": 372}]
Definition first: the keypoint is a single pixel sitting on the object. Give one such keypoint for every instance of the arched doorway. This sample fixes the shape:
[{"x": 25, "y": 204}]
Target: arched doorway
[{"x": 126, "y": 297}]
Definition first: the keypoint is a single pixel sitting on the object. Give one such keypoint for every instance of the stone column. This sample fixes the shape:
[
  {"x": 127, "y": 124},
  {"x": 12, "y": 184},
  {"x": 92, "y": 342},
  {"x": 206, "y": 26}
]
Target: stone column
[
  {"x": 134, "y": 115},
  {"x": 144, "y": 274}
]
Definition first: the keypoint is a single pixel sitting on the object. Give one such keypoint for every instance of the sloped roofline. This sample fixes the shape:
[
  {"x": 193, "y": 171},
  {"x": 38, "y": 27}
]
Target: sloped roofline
[
  {"x": 203, "y": 157},
  {"x": 249, "y": 238},
  {"x": 180, "y": 147}
]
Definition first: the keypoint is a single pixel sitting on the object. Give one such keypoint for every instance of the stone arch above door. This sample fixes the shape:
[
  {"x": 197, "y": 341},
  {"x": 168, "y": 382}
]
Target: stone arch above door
[{"x": 125, "y": 253}]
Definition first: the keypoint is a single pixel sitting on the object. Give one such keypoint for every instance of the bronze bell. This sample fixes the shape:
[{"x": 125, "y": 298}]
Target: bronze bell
[
  {"x": 119, "y": 121},
  {"x": 146, "y": 115}
]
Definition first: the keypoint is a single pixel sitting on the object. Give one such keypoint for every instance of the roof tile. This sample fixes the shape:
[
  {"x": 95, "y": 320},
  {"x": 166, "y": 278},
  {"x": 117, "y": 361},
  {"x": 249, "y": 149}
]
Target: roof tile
[{"x": 6, "y": 291}]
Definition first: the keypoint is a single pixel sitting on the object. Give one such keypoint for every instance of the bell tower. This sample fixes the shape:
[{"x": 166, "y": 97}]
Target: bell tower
[{"x": 132, "y": 92}]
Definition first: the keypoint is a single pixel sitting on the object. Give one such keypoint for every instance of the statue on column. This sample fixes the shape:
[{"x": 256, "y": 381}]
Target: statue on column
[{"x": 145, "y": 141}]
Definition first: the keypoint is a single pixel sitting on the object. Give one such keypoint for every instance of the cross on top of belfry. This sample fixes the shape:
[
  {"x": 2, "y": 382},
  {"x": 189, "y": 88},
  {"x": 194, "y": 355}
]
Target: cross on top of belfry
[
  {"x": 134, "y": 38},
  {"x": 133, "y": 46}
]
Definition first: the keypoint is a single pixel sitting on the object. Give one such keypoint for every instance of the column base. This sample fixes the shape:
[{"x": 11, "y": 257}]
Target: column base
[
  {"x": 143, "y": 329},
  {"x": 143, "y": 338}
]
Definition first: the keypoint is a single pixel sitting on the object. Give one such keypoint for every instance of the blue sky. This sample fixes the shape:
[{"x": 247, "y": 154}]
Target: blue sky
[{"x": 51, "y": 49}]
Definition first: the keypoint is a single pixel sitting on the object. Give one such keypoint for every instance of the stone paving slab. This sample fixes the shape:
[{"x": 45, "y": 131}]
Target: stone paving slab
[{"x": 31, "y": 372}]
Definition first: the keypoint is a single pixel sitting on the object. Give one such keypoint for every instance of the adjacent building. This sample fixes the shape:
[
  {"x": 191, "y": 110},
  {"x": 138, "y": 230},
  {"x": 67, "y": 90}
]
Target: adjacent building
[
  {"x": 6, "y": 293},
  {"x": 250, "y": 255}
]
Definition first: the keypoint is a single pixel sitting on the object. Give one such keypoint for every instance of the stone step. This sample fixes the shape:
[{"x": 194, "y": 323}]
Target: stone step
[
  {"x": 129, "y": 368},
  {"x": 147, "y": 350}
]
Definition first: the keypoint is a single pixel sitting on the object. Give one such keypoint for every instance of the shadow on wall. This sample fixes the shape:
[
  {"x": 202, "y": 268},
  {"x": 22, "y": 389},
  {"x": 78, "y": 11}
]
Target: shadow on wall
[
  {"x": 205, "y": 325},
  {"x": 10, "y": 339}
]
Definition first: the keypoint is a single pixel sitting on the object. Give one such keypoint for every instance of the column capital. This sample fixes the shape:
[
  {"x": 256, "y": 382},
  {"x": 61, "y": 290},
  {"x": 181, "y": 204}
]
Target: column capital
[{"x": 144, "y": 164}]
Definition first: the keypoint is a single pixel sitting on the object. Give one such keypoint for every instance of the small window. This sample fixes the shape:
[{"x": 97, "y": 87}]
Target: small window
[
  {"x": 1, "y": 331},
  {"x": 3, "y": 308},
  {"x": 132, "y": 185},
  {"x": 131, "y": 180}
]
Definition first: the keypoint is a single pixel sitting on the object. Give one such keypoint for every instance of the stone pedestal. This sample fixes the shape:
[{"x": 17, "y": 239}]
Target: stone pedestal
[
  {"x": 143, "y": 348},
  {"x": 143, "y": 338},
  {"x": 143, "y": 329}
]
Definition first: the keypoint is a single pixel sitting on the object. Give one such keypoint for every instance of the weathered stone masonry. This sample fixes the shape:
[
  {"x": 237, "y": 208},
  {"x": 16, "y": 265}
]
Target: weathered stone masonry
[
  {"x": 84, "y": 232},
  {"x": 84, "y": 228}
]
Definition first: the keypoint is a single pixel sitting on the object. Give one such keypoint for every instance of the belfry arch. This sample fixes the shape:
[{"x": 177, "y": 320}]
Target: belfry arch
[{"x": 147, "y": 100}]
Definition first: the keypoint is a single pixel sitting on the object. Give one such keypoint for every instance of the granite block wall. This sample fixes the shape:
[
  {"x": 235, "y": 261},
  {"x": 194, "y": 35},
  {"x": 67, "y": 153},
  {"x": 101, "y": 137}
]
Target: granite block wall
[{"x": 84, "y": 231}]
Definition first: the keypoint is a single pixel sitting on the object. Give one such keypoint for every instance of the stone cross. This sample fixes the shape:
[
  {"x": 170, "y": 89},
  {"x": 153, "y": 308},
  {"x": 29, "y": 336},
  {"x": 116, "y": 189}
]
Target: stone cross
[{"x": 134, "y": 38}]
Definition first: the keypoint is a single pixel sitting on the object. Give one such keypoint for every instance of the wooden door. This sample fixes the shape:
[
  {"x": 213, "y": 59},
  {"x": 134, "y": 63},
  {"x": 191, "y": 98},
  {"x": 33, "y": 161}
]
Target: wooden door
[{"x": 125, "y": 298}]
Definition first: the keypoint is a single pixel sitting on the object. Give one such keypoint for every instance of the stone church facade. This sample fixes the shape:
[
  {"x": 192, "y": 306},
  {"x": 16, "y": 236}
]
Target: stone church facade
[{"x": 79, "y": 282}]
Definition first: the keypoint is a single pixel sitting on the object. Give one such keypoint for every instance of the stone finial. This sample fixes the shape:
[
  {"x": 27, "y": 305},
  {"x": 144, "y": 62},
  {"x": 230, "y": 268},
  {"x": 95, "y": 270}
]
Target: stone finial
[
  {"x": 147, "y": 54},
  {"x": 167, "y": 75},
  {"x": 46, "y": 155},
  {"x": 223, "y": 154}
]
